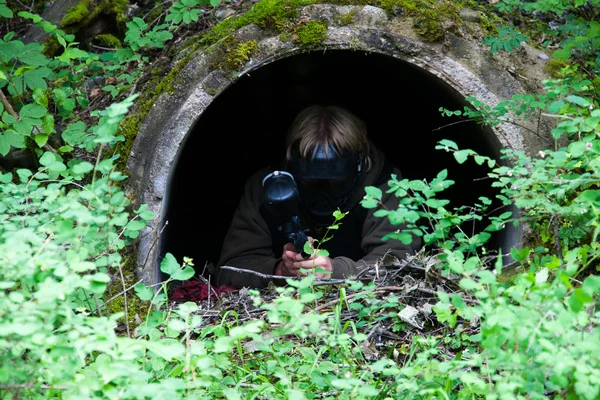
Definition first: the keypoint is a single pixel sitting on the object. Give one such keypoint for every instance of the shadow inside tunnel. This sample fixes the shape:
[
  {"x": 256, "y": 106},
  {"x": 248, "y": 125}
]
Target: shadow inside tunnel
[{"x": 243, "y": 129}]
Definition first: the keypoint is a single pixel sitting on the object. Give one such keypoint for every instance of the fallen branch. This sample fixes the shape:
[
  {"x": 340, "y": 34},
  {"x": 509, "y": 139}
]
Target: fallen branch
[{"x": 318, "y": 282}]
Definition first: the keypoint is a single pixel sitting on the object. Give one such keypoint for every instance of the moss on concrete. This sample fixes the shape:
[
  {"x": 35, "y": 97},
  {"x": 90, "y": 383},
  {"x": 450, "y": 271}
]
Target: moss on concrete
[
  {"x": 346, "y": 19},
  {"x": 278, "y": 15},
  {"x": 430, "y": 19},
  {"x": 554, "y": 66},
  {"x": 77, "y": 13},
  {"x": 240, "y": 53},
  {"x": 107, "y": 40},
  {"x": 86, "y": 11},
  {"x": 311, "y": 34},
  {"x": 135, "y": 306},
  {"x": 130, "y": 125}
]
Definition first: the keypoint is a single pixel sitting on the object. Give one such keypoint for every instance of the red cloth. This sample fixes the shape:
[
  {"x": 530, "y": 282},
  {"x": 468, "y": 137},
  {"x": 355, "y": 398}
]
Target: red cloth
[{"x": 197, "y": 290}]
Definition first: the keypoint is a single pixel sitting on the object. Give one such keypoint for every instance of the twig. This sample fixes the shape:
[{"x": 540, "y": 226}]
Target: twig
[
  {"x": 30, "y": 386},
  {"x": 318, "y": 282},
  {"x": 155, "y": 7},
  {"x": 153, "y": 244},
  {"x": 557, "y": 244},
  {"x": 453, "y": 123},
  {"x": 323, "y": 282},
  {"x": 7, "y": 105},
  {"x": 27, "y": 7},
  {"x": 116, "y": 296},
  {"x": 104, "y": 48},
  {"x": 124, "y": 300},
  {"x": 537, "y": 328},
  {"x": 260, "y": 274}
]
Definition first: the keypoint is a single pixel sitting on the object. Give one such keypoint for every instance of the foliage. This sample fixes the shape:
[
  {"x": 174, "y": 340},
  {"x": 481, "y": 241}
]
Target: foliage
[
  {"x": 67, "y": 225},
  {"x": 507, "y": 39}
]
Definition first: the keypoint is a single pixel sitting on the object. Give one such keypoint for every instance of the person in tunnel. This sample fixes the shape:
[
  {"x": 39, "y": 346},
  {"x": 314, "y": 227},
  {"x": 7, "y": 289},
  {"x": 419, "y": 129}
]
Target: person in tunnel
[{"x": 332, "y": 160}]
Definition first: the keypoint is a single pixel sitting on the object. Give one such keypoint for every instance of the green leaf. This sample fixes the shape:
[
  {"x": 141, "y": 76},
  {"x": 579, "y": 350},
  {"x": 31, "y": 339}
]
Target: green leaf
[
  {"x": 82, "y": 168},
  {"x": 39, "y": 96},
  {"x": 143, "y": 292},
  {"x": 5, "y": 11},
  {"x": 468, "y": 284},
  {"x": 6, "y": 178},
  {"x": 374, "y": 192},
  {"x": 165, "y": 348},
  {"x": 57, "y": 167},
  {"x": 184, "y": 274},
  {"x": 136, "y": 225},
  {"x": 32, "y": 111},
  {"x": 461, "y": 156},
  {"x": 580, "y": 101},
  {"x": 31, "y": 54},
  {"x": 556, "y": 106},
  {"x": 75, "y": 133},
  {"x": 41, "y": 140},
  {"x": 448, "y": 143},
  {"x": 480, "y": 159},
  {"x": 436, "y": 203},
  {"x": 48, "y": 158},
  {"x": 35, "y": 78},
  {"x": 582, "y": 296},
  {"x": 590, "y": 196},
  {"x": 562, "y": 54},
  {"x": 48, "y": 123},
  {"x": 519, "y": 254},
  {"x": 169, "y": 264},
  {"x": 4, "y": 145},
  {"x": 145, "y": 213},
  {"x": 15, "y": 139}
]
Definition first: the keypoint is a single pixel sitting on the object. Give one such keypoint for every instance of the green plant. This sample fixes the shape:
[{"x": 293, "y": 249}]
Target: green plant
[
  {"x": 186, "y": 11},
  {"x": 507, "y": 39},
  {"x": 67, "y": 226}
]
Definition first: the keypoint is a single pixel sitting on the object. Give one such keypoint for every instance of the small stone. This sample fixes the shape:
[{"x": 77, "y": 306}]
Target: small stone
[
  {"x": 543, "y": 56},
  {"x": 222, "y": 14},
  {"x": 470, "y": 15},
  {"x": 411, "y": 316}
]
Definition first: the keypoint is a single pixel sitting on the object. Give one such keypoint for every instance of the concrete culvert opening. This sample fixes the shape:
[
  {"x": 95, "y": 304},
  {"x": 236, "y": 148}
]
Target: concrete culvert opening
[{"x": 243, "y": 128}]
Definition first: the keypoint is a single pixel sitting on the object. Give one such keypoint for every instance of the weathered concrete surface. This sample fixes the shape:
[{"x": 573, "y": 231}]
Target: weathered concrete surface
[
  {"x": 54, "y": 14},
  {"x": 460, "y": 62}
]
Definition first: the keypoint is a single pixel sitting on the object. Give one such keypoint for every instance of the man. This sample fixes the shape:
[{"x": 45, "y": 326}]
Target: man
[{"x": 332, "y": 161}]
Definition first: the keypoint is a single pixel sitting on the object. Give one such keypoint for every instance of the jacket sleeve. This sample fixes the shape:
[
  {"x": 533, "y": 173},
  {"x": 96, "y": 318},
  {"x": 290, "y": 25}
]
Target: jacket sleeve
[
  {"x": 374, "y": 229},
  {"x": 248, "y": 243}
]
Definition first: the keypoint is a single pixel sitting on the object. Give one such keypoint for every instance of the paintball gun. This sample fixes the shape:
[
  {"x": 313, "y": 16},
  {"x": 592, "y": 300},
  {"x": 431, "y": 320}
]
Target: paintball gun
[{"x": 280, "y": 196}]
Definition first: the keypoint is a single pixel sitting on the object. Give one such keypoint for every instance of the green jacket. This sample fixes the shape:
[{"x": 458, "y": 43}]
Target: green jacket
[{"x": 248, "y": 243}]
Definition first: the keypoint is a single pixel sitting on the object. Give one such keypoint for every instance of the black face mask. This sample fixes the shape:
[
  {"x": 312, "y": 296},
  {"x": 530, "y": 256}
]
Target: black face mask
[
  {"x": 325, "y": 182},
  {"x": 321, "y": 197}
]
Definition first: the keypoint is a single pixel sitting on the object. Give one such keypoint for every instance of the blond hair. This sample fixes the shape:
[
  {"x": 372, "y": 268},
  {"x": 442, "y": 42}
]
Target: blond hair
[{"x": 328, "y": 125}]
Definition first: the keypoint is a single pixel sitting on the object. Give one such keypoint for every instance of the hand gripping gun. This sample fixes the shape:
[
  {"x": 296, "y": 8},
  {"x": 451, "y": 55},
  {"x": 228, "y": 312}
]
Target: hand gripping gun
[{"x": 280, "y": 196}]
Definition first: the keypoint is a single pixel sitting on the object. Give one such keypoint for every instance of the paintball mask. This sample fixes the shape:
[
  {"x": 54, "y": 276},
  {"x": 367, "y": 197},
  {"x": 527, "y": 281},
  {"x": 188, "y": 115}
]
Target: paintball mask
[{"x": 325, "y": 182}]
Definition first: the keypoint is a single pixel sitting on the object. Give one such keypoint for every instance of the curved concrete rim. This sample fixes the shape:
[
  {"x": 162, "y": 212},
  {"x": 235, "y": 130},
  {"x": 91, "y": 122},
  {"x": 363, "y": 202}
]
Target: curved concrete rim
[{"x": 150, "y": 173}]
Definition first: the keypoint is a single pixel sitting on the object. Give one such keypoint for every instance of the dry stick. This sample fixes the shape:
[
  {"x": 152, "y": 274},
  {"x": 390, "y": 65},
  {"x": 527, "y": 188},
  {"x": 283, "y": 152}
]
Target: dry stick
[
  {"x": 125, "y": 300},
  {"x": 267, "y": 276},
  {"x": 104, "y": 48},
  {"x": 7, "y": 105},
  {"x": 249, "y": 271},
  {"x": 117, "y": 295},
  {"x": 153, "y": 244},
  {"x": 556, "y": 236}
]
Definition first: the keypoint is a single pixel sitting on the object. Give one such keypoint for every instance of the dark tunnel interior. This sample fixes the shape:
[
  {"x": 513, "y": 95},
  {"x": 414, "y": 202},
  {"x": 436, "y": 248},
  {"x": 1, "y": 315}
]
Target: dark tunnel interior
[{"x": 243, "y": 128}]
